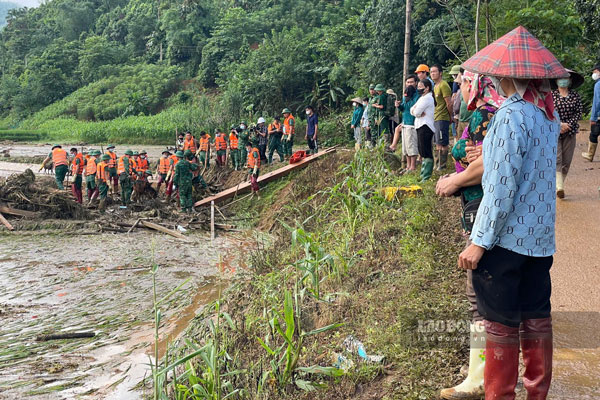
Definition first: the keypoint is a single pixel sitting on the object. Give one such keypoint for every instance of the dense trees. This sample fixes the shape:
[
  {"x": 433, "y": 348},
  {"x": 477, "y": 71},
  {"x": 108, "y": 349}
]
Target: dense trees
[{"x": 259, "y": 55}]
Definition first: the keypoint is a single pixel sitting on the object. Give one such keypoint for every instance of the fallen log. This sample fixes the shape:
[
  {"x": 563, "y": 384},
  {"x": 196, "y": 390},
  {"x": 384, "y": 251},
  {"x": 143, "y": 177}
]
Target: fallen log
[
  {"x": 6, "y": 223},
  {"x": 71, "y": 335},
  {"x": 19, "y": 213},
  {"x": 162, "y": 229},
  {"x": 271, "y": 176}
]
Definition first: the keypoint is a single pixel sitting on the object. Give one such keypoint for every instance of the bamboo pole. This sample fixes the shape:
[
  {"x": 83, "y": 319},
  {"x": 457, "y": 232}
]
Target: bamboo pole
[{"x": 406, "y": 44}]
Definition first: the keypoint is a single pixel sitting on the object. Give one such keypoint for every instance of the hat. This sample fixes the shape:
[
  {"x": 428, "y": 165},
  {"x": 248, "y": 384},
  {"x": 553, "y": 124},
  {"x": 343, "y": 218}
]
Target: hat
[
  {"x": 97, "y": 152},
  {"x": 391, "y": 91},
  {"x": 143, "y": 152},
  {"x": 379, "y": 86},
  {"x": 188, "y": 153},
  {"x": 129, "y": 153},
  {"x": 519, "y": 55},
  {"x": 110, "y": 146},
  {"x": 179, "y": 154},
  {"x": 422, "y": 68},
  {"x": 105, "y": 157},
  {"x": 136, "y": 153},
  {"x": 56, "y": 145},
  {"x": 455, "y": 70},
  {"x": 286, "y": 110},
  {"x": 371, "y": 86},
  {"x": 357, "y": 99},
  {"x": 166, "y": 151},
  {"x": 576, "y": 80},
  {"x": 261, "y": 120},
  {"x": 91, "y": 152}
]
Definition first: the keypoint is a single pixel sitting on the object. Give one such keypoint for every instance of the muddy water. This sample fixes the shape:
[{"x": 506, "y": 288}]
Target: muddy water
[
  {"x": 101, "y": 284},
  {"x": 9, "y": 168},
  {"x": 32, "y": 150}
]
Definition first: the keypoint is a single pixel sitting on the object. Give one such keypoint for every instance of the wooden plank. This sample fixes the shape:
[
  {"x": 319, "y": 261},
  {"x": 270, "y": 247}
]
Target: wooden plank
[
  {"x": 162, "y": 229},
  {"x": 6, "y": 223},
  {"x": 20, "y": 213},
  {"x": 271, "y": 176}
]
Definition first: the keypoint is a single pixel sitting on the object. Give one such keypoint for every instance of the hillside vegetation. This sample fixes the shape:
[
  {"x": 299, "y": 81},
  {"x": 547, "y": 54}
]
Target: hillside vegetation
[{"x": 101, "y": 60}]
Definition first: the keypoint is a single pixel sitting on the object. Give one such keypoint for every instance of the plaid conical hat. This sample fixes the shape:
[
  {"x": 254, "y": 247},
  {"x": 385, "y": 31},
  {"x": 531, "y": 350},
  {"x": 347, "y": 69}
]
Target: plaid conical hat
[{"x": 518, "y": 54}]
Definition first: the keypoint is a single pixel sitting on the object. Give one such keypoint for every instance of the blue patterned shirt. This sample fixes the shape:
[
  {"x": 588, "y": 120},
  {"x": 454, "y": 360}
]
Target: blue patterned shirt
[{"x": 518, "y": 209}]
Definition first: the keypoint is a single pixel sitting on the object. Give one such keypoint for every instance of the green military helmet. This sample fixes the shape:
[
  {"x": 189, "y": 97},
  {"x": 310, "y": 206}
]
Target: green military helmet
[
  {"x": 243, "y": 123},
  {"x": 56, "y": 145},
  {"x": 179, "y": 153},
  {"x": 380, "y": 86},
  {"x": 129, "y": 153},
  {"x": 97, "y": 152},
  {"x": 166, "y": 151},
  {"x": 455, "y": 70},
  {"x": 105, "y": 157},
  {"x": 286, "y": 110},
  {"x": 372, "y": 86},
  {"x": 110, "y": 146},
  {"x": 91, "y": 152},
  {"x": 136, "y": 153},
  {"x": 143, "y": 152},
  {"x": 188, "y": 153}
]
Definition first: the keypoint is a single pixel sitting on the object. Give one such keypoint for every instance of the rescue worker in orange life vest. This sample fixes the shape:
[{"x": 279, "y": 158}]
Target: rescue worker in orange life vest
[
  {"x": 253, "y": 165},
  {"x": 189, "y": 143},
  {"x": 90, "y": 175},
  {"x": 234, "y": 151},
  {"x": 162, "y": 169},
  {"x": 102, "y": 179},
  {"x": 289, "y": 129},
  {"x": 221, "y": 147},
  {"x": 125, "y": 170},
  {"x": 112, "y": 168},
  {"x": 204, "y": 149},
  {"x": 143, "y": 165},
  {"x": 61, "y": 164},
  {"x": 77, "y": 165}
]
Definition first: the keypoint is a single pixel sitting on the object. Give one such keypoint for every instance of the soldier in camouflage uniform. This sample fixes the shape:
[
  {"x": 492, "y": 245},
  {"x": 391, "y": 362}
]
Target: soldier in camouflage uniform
[
  {"x": 244, "y": 138},
  {"x": 183, "y": 179}
]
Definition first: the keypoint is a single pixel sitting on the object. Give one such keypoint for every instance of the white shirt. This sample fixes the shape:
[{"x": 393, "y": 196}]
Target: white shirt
[
  {"x": 365, "y": 118},
  {"x": 425, "y": 105}
]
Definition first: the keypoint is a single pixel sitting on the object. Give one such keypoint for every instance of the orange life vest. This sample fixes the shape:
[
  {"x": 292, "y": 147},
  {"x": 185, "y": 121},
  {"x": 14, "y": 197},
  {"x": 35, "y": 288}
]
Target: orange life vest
[
  {"x": 175, "y": 160},
  {"x": 163, "y": 165},
  {"x": 121, "y": 167},
  {"x": 253, "y": 161},
  {"x": 91, "y": 168},
  {"x": 274, "y": 127},
  {"x": 101, "y": 174},
  {"x": 288, "y": 129},
  {"x": 59, "y": 157},
  {"x": 220, "y": 142},
  {"x": 233, "y": 141},
  {"x": 190, "y": 144},
  {"x": 77, "y": 169},
  {"x": 112, "y": 163},
  {"x": 204, "y": 143},
  {"x": 142, "y": 164}
]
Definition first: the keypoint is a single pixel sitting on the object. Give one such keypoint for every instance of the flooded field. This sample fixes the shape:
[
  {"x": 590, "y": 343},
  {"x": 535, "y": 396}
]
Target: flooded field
[{"x": 102, "y": 284}]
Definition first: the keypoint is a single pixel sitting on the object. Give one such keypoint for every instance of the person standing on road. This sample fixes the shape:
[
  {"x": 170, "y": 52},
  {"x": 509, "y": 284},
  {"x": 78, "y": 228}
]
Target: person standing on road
[
  {"x": 182, "y": 181},
  {"x": 568, "y": 104},
  {"x": 594, "y": 117},
  {"x": 480, "y": 94},
  {"x": 423, "y": 111},
  {"x": 443, "y": 111},
  {"x": 513, "y": 238},
  {"x": 77, "y": 165},
  {"x": 60, "y": 163},
  {"x": 357, "y": 114},
  {"x": 312, "y": 130},
  {"x": 275, "y": 134}
]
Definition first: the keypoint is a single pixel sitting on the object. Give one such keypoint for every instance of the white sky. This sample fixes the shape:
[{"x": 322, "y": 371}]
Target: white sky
[{"x": 26, "y": 3}]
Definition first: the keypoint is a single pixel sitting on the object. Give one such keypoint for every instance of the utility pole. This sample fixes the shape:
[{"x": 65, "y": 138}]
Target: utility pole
[{"x": 406, "y": 44}]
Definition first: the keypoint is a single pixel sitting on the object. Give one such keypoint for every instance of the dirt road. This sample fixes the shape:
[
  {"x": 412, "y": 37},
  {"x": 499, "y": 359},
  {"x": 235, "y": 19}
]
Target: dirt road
[{"x": 576, "y": 283}]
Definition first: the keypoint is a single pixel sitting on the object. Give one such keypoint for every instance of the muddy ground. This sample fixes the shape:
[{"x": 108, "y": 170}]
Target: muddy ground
[{"x": 98, "y": 283}]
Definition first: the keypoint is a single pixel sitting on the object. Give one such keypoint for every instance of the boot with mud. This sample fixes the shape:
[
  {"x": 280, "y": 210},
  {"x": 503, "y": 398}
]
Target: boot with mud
[
  {"x": 443, "y": 160},
  {"x": 589, "y": 154},
  {"x": 536, "y": 344},
  {"x": 426, "y": 169},
  {"x": 472, "y": 387},
  {"x": 560, "y": 182},
  {"x": 502, "y": 361}
]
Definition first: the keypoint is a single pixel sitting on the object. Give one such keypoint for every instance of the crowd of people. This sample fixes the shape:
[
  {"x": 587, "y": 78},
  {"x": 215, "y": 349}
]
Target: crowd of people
[{"x": 181, "y": 168}]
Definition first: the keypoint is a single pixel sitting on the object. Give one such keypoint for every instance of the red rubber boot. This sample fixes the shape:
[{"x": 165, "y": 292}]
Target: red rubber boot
[
  {"x": 536, "y": 343},
  {"x": 501, "y": 361}
]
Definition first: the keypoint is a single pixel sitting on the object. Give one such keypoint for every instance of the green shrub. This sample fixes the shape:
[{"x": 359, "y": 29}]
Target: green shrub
[{"x": 21, "y": 135}]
